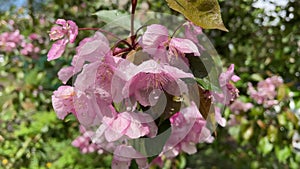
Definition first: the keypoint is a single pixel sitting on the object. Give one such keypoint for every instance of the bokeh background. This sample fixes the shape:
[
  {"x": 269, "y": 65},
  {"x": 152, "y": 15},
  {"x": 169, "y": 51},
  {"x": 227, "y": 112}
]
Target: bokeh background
[{"x": 263, "y": 41}]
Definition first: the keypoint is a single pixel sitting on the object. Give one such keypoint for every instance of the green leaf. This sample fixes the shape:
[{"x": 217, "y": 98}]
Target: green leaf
[
  {"x": 248, "y": 133},
  {"x": 256, "y": 77},
  {"x": 283, "y": 154},
  {"x": 116, "y": 18},
  {"x": 264, "y": 146},
  {"x": 272, "y": 133},
  {"x": 234, "y": 131},
  {"x": 282, "y": 92},
  {"x": 203, "y": 13}
]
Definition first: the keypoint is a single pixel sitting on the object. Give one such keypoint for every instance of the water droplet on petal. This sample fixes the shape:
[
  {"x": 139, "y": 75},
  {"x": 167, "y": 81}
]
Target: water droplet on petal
[{"x": 128, "y": 108}]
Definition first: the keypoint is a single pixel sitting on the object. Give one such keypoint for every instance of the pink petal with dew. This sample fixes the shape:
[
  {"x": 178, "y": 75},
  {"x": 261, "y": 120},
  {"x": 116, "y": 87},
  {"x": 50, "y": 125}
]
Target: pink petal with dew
[
  {"x": 154, "y": 36},
  {"x": 88, "y": 112},
  {"x": 92, "y": 50},
  {"x": 87, "y": 78},
  {"x": 62, "y": 101}
]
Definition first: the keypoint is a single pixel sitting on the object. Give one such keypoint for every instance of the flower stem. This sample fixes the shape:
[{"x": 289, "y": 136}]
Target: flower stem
[
  {"x": 133, "y": 7},
  {"x": 178, "y": 27},
  {"x": 101, "y": 30}
]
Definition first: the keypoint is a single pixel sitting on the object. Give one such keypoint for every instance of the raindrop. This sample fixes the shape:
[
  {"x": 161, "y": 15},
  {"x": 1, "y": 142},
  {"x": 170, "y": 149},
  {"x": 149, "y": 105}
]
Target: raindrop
[{"x": 128, "y": 108}]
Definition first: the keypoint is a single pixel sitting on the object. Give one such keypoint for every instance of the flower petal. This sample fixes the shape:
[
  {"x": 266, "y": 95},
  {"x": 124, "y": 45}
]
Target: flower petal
[
  {"x": 62, "y": 101},
  {"x": 73, "y": 31},
  {"x": 183, "y": 46},
  {"x": 65, "y": 74},
  {"x": 57, "y": 49}
]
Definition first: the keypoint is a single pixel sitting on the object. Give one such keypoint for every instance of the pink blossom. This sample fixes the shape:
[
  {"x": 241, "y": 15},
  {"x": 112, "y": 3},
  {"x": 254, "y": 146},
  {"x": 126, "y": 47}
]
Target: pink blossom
[
  {"x": 266, "y": 91},
  {"x": 10, "y": 40},
  {"x": 151, "y": 79},
  {"x": 230, "y": 92},
  {"x": 34, "y": 36},
  {"x": 188, "y": 129},
  {"x": 239, "y": 106},
  {"x": 65, "y": 33},
  {"x": 276, "y": 80},
  {"x": 15, "y": 37},
  {"x": 84, "y": 143},
  {"x": 156, "y": 40},
  {"x": 62, "y": 101},
  {"x": 29, "y": 49}
]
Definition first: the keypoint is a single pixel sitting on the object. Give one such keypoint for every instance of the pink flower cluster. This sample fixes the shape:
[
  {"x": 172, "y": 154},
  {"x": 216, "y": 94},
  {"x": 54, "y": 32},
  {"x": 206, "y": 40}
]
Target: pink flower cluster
[
  {"x": 266, "y": 92},
  {"x": 10, "y": 41},
  {"x": 230, "y": 92},
  {"x": 238, "y": 106},
  {"x": 84, "y": 143},
  {"x": 124, "y": 101}
]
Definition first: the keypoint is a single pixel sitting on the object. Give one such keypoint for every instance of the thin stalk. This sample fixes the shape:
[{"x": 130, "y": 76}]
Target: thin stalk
[
  {"x": 133, "y": 8},
  {"x": 178, "y": 27}
]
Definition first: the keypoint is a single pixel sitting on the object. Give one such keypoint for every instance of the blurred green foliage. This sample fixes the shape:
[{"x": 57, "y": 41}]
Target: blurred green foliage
[{"x": 31, "y": 136}]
